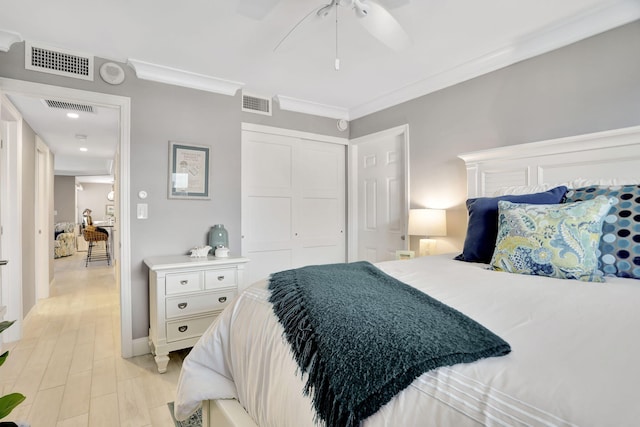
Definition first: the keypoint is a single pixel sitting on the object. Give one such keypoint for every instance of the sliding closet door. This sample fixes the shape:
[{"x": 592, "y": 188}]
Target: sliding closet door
[
  {"x": 319, "y": 177},
  {"x": 293, "y": 203}
]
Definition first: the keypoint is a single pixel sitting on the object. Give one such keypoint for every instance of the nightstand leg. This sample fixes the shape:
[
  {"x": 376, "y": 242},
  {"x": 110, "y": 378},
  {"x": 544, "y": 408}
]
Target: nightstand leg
[{"x": 162, "y": 360}]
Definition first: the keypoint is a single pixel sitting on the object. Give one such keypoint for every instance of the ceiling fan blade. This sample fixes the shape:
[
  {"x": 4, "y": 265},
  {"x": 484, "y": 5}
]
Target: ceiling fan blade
[
  {"x": 256, "y": 9},
  {"x": 383, "y": 26}
]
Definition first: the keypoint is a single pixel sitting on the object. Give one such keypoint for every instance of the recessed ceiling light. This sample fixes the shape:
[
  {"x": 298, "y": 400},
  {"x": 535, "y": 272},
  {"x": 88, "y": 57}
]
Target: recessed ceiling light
[
  {"x": 73, "y": 115},
  {"x": 81, "y": 136},
  {"x": 84, "y": 149}
]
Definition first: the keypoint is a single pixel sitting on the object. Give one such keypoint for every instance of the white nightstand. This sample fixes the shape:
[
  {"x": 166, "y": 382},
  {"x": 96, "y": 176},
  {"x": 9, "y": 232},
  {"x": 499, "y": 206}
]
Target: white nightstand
[{"x": 185, "y": 296}]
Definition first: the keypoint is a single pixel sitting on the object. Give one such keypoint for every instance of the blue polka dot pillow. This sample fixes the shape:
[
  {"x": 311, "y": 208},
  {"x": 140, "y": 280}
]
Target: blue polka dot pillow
[{"x": 619, "y": 251}]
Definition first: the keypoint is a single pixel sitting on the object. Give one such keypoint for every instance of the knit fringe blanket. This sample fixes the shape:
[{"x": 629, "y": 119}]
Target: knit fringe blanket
[{"x": 363, "y": 336}]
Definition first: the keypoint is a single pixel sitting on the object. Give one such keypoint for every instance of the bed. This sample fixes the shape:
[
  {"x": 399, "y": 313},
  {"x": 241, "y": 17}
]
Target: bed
[{"x": 574, "y": 342}]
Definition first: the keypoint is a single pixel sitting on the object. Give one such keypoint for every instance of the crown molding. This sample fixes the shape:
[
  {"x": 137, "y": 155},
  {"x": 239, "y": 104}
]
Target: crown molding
[
  {"x": 563, "y": 33},
  {"x": 7, "y": 38},
  {"x": 173, "y": 76},
  {"x": 309, "y": 107}
]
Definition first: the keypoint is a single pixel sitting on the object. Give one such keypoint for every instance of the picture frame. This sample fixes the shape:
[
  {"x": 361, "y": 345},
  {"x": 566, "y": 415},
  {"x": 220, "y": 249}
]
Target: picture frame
[
  {"x": 109, "y": 210},
  {"x": 189, "y": 171},
  {"x": 405, "y": 254}
]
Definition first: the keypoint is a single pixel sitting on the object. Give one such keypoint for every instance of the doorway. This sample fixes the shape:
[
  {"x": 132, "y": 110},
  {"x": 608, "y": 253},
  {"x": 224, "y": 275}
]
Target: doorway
[
  {"x": 379, "y": 195},
  {"x": 122, "y": 207}
]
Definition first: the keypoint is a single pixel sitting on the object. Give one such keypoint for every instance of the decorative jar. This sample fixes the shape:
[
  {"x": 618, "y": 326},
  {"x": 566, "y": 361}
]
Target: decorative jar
[{"x": 218, "y": 237}]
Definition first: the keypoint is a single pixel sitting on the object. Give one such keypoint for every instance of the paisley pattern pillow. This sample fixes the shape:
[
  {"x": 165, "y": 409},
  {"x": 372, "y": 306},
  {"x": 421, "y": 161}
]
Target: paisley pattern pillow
[{"x": 551, "y": 240}]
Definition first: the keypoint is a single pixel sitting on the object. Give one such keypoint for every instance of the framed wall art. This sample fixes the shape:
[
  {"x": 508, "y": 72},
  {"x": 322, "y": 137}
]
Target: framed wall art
[{"x": 189, "y": 171}]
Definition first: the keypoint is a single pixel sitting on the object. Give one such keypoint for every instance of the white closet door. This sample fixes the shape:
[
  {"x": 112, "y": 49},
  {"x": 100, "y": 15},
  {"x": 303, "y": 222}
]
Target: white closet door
[
  {"x": 293, "y": 203},
  {"x": 320, "y": 203}
]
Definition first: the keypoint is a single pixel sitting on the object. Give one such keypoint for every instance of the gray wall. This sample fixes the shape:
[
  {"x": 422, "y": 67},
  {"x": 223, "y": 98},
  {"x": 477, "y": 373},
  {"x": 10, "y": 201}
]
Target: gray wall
[
  {"x": 94, "y": 197},
  {"x": 161, "y": 113},
  {"x": 64, "y": 202},
  {"x": 590, "y": 86}
]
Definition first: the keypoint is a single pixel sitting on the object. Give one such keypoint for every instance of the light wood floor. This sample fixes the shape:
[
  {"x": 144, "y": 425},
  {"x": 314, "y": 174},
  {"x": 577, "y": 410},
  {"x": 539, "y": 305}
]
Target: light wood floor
[{"x": 68, "y": 363}]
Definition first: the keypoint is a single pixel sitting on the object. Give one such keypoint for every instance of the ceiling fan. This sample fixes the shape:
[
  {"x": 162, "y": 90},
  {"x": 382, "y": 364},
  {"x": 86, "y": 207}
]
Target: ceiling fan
[{"x": 374, "y": 17}]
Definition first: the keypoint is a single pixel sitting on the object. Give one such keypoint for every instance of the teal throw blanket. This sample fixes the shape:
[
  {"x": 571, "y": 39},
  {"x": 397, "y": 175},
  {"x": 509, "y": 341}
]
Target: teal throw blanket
[{"x": 363, "y": 336}]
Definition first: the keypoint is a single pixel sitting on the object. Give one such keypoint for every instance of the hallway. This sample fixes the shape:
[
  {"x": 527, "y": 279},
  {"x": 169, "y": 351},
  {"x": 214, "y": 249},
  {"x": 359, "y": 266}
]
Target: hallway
[{"x": 68, "y": 363}]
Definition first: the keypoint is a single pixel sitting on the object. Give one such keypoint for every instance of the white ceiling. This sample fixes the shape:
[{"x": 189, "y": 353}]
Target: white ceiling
[
  {"x": 452, "y": 40},
  {"x": 64, "y": 136}
]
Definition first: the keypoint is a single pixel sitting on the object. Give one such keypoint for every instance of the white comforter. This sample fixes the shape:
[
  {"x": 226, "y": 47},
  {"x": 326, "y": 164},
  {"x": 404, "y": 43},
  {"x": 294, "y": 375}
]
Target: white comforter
[{"x": 574, "y": 355}]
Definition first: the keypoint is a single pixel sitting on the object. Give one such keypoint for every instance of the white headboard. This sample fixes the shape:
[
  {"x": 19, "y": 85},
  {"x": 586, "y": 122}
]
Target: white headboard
[{"x": 609, "y": 154}]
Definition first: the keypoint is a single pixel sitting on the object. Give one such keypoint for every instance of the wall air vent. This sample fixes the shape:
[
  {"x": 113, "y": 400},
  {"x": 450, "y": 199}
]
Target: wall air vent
[
  {"x": 64, "y": 105},
  {"x": 256, "y": 104},
  {"x": 58, "y": 61}
]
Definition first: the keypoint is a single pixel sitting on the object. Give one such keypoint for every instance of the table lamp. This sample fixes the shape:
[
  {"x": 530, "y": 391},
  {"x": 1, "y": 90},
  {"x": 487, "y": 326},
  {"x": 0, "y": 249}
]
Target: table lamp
[{"x": 427, "y": 223}]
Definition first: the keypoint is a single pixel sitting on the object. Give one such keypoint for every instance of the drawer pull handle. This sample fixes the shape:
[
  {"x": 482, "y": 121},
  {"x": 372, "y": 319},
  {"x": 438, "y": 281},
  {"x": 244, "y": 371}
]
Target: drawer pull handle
[
  {"x": 183, "y": 328},
  {"x": 182, "y": 305},
  {"x": 221, "y": 278},
  {"x": 222, "y": 299},
  {"x": 184, "y": 282}
]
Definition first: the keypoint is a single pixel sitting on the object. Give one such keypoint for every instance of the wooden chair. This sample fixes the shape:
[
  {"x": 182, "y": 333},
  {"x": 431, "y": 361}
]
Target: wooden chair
[{"x": 92, "y": 237}]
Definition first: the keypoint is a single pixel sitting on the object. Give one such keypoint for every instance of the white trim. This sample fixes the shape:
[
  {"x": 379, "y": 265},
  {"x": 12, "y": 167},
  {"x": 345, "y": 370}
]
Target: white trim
[
  {"x": 314, "y": 108},
  {"x": 140, "y": 346},
  {"x": 173, "y": 76},
  {"x": 7, "y": 38},
  {"x": 123, "y": 272},
  {"x": 352, "y": 183},
  {"x": 42, "y": 253},
  {"x": 252, "y": 127},
  {"x": 592, "y": 22},
  {"x": 12, "y": 226}
]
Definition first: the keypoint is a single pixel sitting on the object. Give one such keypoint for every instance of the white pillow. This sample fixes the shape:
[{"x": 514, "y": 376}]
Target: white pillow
[{"x": 575, "y": 183}]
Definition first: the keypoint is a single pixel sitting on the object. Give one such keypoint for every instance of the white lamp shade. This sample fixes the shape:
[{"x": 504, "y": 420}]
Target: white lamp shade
[{"x": 427, "y": 222}]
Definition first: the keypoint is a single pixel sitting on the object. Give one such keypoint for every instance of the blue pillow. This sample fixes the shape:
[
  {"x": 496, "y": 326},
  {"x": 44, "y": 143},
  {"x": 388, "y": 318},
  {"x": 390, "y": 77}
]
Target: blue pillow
[
  {"x": 483, "y": 221},
  {"x": 619, "y": 251}
]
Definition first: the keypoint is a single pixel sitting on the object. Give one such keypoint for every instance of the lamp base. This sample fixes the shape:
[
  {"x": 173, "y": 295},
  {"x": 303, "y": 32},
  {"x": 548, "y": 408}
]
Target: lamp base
[{"x": 427, "y": 247}]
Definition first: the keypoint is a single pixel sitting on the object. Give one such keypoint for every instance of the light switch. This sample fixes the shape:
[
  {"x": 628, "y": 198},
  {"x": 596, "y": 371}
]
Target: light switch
[{"x": 143, "y": 211}]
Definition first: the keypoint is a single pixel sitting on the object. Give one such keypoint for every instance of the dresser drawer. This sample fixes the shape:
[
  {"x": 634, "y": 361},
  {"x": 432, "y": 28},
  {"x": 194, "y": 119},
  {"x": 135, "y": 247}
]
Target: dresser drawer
[
  {"x": 220, "y": 278},
  {"x": 192, "y": 328},
  {"x": 187, "y": 305},
  {"x": 184, "y": 282}
]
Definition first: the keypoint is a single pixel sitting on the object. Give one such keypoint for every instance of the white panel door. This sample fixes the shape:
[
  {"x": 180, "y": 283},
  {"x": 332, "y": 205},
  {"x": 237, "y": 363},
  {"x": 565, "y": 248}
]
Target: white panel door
[
  {"x": 382, "y": 204},
  {"x": 293, "y": 203}
]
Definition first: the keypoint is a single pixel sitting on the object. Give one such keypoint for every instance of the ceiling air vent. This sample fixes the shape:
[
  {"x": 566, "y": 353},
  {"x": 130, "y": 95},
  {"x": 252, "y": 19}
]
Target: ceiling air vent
[
  {"x": 256, "y": 104},
  {"x": 64, "y": 105},
  {"x": 58, "y": 61}
]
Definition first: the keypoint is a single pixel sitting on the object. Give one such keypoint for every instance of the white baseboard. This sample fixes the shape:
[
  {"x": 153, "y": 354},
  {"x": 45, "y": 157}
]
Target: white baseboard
[{"x": 141, "y": 346}]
